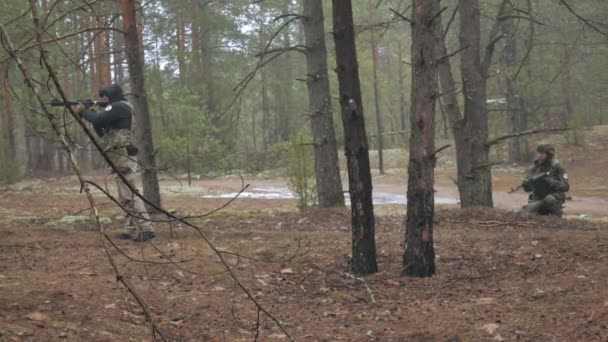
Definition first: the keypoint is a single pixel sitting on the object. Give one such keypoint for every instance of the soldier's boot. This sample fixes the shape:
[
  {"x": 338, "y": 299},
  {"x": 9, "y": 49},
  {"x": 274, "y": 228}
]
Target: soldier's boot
[
  {"x": 129, "y": 233},
  {"x": 129, "y": 230},
  {"x": 145, "y": 230},
  {"x": 144, "y": 236}
]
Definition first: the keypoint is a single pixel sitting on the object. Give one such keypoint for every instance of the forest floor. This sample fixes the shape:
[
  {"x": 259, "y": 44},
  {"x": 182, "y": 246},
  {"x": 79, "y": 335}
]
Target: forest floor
[{"x": 500, "y": 276}]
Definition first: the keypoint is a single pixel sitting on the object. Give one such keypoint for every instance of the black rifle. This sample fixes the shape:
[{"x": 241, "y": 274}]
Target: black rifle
[
  {"x": 87, "y": 103},
  {"x": 531, "y": 180}
]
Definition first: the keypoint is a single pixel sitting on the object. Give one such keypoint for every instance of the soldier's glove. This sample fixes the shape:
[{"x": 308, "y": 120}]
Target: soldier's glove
[
  {"x": 551, "y": 182},
  {"x": 78, "y": 108},
  {"x": 527, "y": 185}
]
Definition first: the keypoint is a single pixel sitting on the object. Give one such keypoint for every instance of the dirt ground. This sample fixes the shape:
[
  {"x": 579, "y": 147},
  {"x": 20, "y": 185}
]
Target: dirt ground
[{"x": 500, "y": 276}]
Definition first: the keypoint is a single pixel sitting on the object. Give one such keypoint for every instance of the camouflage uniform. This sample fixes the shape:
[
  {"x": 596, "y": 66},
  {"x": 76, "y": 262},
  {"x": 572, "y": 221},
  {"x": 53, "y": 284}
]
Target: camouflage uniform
[
  {"x": 115, "y": 142},
  {"x": 548, "y": 193}
]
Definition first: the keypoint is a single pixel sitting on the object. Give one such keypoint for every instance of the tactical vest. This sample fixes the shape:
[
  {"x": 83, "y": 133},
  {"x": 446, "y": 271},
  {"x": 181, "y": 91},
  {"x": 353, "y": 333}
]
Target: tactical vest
[
  {"x": 115, "y": 143},
  {"x": 542, "y": 189}
]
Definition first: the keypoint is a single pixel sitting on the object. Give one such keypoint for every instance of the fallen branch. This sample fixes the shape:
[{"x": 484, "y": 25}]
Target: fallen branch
[{"x": 372, "y": 298}]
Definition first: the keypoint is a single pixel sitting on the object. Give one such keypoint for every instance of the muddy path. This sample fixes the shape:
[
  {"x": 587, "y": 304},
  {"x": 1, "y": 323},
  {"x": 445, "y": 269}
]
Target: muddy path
[{"x": 388, "y": 189}]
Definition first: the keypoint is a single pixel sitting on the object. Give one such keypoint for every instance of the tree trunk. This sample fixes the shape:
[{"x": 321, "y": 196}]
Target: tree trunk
[
  {"x": 419, "y": 256},
  {"x": 135, "y": 60},
  {"x": 508, "y": 63},
  {"x": 195, "y": 59},
  {"x": 265, "y": 112},
  {"x": 374, "y": 48},
  {"x": 180, "y": 36},
  {"x": 207, "y": 71},
  {"x": 102, "y": 56},
  {"x": 475, "y": 180},
  {"x": 401, "y": 77},
  {"x": 285, "y": 114},
  {"x": 90, "y": 46},
  {"x": 329, "y": 183},
  {"x": 264, "y": 99},
  {"x": 118, "y": 45},
  {"x": 8, "y": 126},
  {"x": 565, "y": 81},
  {"x": 355, "y": 141}
]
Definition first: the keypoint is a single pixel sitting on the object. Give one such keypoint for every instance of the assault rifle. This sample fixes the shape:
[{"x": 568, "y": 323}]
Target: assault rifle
[
  {"x": 87, "y": 103},
  {"x": 531, "y": 180}
]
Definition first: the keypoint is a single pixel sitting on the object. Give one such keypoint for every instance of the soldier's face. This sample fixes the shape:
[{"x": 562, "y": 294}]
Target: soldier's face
[
  {"x": 541, "y": 157},
  {"x": 105, "y": 98}
]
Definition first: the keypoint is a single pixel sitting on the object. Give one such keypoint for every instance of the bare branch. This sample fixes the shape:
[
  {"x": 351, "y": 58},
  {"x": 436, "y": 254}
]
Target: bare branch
[
  {"x": 452, "y": 54},
  {"x": 584, "y": 20},
  {"x": 402, "y": 16},
  {"x": 452, "y": 17},
  {"x": 529, "y": 132},
  {"x": 494, "y": 38}
]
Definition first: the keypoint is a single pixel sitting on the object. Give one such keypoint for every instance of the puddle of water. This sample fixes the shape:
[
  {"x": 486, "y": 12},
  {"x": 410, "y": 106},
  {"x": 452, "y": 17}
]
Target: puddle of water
[{"x": 283, "y": 193}]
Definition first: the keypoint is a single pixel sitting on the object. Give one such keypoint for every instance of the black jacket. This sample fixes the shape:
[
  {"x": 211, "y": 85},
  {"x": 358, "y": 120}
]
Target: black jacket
[{"x": 117, "y": 115}]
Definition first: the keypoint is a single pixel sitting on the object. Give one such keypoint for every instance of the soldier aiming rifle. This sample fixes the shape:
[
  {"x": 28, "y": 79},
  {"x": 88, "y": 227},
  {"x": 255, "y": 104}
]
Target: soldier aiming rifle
[{"x": 113, "y": 120}]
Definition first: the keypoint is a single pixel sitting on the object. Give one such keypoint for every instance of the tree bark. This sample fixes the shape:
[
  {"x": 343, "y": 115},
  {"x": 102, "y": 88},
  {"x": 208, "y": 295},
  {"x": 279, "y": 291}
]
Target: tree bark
[
  {"x": 180, "y": 36},
  {"x": 401, "y": 77},
  {"x": 92, "y": 58},
  {"x": 285, "y": 101},
  {"x": 374, "y": 49},
  {"x": 508, "y": 86},
  {"x": 195, "y": 70},
  {"x": 565, "y": 81},
  {"x": 118, "y": 44},
  {"x": 102, "y": 56},
  {"x": 8, "y": 130},
  {"x": 135, "y": 60},
  {"x": 475, "y": 180},
  {"x": 419, "y": 256},
  {"x": 207, "y": 75},
  {"x": 327, "y": 171},
  {"x": 355, "y": 141}
]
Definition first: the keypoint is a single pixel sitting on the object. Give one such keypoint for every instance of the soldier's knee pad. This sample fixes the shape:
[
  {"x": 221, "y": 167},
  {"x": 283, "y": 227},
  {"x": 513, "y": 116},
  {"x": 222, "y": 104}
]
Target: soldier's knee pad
[{"x": 552, "y": 200}]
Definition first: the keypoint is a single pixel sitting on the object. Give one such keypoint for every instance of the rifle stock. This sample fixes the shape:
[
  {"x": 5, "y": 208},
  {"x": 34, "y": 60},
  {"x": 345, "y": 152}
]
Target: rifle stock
[{"x": 530, "y": 180}]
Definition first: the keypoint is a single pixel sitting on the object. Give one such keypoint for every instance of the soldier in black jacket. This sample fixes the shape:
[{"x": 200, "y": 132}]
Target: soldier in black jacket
[{"x": 114, "y": 124}]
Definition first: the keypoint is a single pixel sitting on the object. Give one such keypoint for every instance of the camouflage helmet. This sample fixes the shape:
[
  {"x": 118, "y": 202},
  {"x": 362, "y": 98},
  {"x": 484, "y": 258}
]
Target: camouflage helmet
[{"x": 549, "y": 149}]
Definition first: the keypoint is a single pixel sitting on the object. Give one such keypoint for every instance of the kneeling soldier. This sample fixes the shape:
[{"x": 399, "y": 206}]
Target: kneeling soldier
[{"x": 547, "y": 182}]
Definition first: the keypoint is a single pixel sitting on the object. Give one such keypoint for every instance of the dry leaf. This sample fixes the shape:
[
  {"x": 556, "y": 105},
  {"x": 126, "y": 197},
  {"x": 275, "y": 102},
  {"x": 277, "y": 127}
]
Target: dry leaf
[
  {"x": 486, "y": 300},
  {"x": 393, "y": 282},
  {"x": 287, "y": 271},
  {"x": 490, "y": 328},
  {"x": 37, "y": 317}
]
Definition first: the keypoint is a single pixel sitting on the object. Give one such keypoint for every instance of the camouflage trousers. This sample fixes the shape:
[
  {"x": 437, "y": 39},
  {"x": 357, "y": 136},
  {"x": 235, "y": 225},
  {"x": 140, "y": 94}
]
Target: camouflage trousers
[
  {"x": 138, "y": 218},
  {"x": 550, "y": 205}
]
